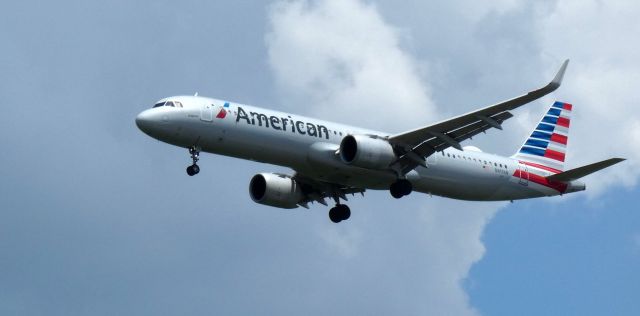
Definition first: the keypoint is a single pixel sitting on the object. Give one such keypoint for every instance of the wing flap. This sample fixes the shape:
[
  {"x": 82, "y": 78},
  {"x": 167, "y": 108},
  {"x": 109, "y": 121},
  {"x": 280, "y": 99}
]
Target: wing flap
[
  {"x": 435, "y": 144},
  {"x": 318, "y": 191}
]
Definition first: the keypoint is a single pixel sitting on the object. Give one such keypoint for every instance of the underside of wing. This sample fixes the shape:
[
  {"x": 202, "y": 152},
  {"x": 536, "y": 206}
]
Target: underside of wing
[{"x": 318, "y": 191}]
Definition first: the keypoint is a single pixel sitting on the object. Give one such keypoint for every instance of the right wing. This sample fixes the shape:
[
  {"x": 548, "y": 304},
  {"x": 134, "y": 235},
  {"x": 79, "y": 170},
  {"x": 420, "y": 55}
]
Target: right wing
[{"x": 425, "y": 141}]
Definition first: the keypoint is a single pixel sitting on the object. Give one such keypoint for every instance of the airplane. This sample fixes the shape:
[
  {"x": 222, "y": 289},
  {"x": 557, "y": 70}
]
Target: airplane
[{"x": 332, "y": 161}]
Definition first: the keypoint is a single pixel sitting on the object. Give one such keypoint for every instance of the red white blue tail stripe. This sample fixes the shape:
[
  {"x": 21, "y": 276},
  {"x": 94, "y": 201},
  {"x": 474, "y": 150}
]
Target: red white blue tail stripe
[{"x": 547, "y": 146}]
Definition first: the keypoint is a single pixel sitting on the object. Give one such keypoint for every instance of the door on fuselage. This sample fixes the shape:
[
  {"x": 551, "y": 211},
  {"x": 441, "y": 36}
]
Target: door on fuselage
[
  {"x": 206, "y": 112},
  {"x": 523, "y": 174}
]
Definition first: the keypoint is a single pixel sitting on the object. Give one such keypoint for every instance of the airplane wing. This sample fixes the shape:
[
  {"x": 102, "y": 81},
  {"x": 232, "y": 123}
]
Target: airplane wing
[
  {"x": 317, "y": 191},
  {"x": 425, "y": 141}
]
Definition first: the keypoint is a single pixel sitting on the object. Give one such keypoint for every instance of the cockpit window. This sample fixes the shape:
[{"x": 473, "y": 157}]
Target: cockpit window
[{"x": 168, "y": 103}]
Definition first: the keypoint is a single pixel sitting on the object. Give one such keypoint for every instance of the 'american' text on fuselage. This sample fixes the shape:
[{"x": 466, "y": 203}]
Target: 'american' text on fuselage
[{"x": 281, "y": 123}]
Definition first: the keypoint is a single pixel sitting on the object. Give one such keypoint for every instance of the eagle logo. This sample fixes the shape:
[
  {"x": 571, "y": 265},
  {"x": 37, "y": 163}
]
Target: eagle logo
[{"x": 223, "y": 111}]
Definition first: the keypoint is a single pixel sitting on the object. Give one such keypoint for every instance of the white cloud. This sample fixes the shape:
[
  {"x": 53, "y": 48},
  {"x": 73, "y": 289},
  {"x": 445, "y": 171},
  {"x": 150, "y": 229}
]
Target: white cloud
[
  {"x": 341, "y": 60},
  {"x": 600, "y": 37}
]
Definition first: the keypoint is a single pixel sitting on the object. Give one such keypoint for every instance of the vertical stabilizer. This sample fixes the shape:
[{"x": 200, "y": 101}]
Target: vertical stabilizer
[{"x": 547, "y": 145}]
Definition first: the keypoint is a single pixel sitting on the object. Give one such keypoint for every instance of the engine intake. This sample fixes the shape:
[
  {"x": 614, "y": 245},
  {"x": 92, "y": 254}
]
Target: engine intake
[
  {"x": 275, "y": 190},
  {"x": 366, "y": 152}
]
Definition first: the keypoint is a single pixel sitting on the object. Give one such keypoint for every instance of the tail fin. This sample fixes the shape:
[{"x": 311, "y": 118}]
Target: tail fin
[{"x": 547, "y": 145}]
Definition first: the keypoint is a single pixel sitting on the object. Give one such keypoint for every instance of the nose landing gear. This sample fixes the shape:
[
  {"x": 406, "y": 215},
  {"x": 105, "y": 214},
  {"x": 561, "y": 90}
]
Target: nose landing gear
[{"x": 194, "y": 169}]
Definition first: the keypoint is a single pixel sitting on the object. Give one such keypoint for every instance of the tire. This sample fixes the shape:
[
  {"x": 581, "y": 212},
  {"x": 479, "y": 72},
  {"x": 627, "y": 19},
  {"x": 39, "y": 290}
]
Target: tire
[
  {"x": 195, "y": 168},
  {"x": 405, "y": 187},
  {"x": 345, "y": 212},
  {"x": 334, "y": 215},
  {"x": 396, "y": 190},
  {"x": 190, "y": 171}
]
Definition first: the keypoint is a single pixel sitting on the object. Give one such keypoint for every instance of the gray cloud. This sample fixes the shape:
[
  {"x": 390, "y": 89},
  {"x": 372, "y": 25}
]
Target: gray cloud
[
  {"x": 346, "y": 62},
  {"x": 96, "y": 218}
]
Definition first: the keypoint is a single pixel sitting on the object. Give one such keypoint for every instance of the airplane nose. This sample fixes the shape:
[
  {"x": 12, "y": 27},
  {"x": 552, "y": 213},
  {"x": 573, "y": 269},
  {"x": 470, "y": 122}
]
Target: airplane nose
[{"x": 144, "y": 121}]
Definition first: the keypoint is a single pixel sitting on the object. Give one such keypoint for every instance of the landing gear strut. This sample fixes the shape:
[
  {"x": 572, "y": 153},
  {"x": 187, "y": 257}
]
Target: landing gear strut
[
  {"x": 401, "y": 188},
  {"x": 339, "y": 213},
  {"x": 193, "y": 169}
]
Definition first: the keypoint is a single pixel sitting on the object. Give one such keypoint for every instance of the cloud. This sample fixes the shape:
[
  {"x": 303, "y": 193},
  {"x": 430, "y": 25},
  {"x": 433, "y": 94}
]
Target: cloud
[
  {"x": 341, "y": 60},
  {"x": 599, "y": 37}
]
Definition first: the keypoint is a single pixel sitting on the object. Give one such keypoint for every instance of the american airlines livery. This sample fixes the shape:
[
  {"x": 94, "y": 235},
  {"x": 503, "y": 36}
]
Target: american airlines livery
[{"x": 332, "y": 161}]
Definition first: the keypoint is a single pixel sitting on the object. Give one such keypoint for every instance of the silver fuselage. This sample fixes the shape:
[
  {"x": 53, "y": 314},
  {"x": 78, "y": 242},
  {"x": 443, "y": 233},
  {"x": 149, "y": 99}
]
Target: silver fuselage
[{"x": 309, "y": 147}]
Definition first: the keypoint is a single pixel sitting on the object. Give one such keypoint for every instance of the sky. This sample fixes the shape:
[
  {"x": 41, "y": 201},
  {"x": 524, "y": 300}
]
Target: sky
[{"x": 97, "y": 218}]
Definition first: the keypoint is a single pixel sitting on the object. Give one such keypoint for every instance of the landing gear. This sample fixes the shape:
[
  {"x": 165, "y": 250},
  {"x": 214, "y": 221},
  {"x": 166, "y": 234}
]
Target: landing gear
[
  {"x": 193, "y": 169},
  {"x": 401, "y": 188},
  {"x": 339, "y": 213}
]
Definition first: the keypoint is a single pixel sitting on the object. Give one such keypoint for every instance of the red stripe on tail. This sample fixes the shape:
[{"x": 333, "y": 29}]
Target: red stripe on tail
[
  {"x": 558, "y": 186},
  {"x": 563, "y": 121},
  {"x": 559, "y": 138},
  {"x": 555, "y": 155},
  {"x": 535, "y": 165}
]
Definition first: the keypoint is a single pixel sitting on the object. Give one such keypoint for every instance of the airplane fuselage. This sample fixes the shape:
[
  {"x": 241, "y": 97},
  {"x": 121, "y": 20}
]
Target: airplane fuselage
[{"x": 309, "y": 146}]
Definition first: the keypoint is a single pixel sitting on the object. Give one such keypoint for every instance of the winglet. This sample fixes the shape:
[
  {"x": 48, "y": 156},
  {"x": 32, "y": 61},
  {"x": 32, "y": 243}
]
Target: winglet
[{"x": 557, "y": 80}]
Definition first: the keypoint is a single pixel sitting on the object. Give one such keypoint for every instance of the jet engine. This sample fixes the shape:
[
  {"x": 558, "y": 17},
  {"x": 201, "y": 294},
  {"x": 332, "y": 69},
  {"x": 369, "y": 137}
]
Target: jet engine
[
  {"x": 366, "y": 152},
  {"x": 275, "y": 190}
]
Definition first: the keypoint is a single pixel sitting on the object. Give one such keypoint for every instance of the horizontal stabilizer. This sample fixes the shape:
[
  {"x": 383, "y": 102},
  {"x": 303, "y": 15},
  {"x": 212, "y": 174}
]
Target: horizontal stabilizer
[{"x": 577, "y": 173}]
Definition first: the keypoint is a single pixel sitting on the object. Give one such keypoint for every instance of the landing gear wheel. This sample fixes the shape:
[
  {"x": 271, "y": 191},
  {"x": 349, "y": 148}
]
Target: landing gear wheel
[
  {"x": 406, "y": 187},
  {"x": 339, "y": 213},
  {"x": 345, "y": 212},
  {"x": 193, "y": 170},
  {"x": 401, "y": 188},
  {"x": 334, "y": 215},
  {"x": 396, "y": 190}
]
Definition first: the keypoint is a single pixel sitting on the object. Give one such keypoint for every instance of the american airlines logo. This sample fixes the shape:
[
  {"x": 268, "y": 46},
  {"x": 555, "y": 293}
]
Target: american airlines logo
[
  {"x": 281, "y": 123},
  {"x": 223, "y": 111}
]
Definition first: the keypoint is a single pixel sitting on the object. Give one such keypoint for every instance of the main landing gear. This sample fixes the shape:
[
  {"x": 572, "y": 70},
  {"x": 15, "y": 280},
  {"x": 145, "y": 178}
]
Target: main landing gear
[
  {"x": 193, "y": 169},
  {"x": 339, "y": 213},
  {"x": 401, "y": 188}
]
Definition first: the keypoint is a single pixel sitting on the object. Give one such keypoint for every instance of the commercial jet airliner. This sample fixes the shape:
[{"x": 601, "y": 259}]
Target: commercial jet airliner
[{"x": 332, "y": 161}]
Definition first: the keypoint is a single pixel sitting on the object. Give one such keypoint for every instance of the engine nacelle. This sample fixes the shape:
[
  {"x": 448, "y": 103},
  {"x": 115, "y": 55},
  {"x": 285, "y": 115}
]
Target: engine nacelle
[
  {"x": 275, "y": 190},
  {"x": 366, "y": 152}
]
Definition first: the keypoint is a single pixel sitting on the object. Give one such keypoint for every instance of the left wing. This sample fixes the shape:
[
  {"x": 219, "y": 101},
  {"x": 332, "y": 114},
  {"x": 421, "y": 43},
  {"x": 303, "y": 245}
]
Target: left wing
[
  {"x": 425, "y": 141},
  {"x": 317, "y": 191}
]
